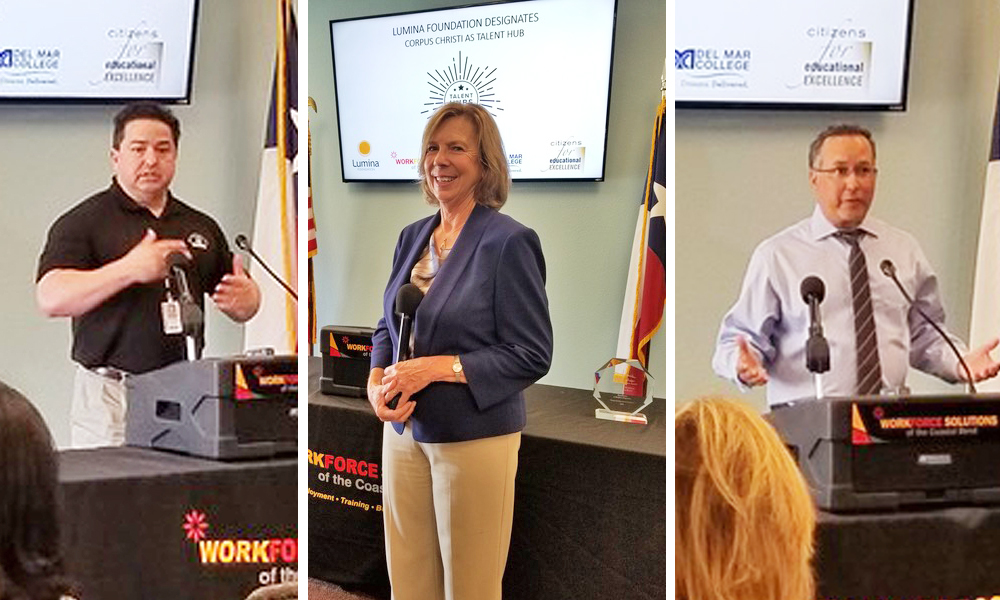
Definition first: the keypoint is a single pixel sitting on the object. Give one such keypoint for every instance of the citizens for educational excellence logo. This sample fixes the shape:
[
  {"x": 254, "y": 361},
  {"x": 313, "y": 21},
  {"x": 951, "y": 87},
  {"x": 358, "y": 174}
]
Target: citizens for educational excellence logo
[
  {"x": 136, "y": 59},
  {"x": 569, "y": 155},
  {"x": 713, "y": 68},
  {"x": 843, "y": 56},
  {"x": 29, "y": 66},
  {"x": 464, "y": 83}
]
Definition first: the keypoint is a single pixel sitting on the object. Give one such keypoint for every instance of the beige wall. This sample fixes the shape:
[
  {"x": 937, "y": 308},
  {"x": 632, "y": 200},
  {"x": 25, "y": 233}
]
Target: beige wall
[
  {"x": 741, "y": 176},
  {"x": 54, "y": 155},
  {"x": 585, "y": 228}
]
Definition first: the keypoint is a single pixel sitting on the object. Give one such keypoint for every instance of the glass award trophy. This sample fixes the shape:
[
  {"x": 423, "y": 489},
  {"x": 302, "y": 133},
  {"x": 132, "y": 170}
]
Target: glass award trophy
[{"x": 622, "y": 388}]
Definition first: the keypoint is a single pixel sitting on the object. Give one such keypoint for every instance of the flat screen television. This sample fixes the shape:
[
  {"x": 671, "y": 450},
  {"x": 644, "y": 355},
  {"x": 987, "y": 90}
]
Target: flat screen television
[
  {"x": 97, "y": 51},
  {"x": 850, "y": 54},
  {"x": 542, "y": 68}
]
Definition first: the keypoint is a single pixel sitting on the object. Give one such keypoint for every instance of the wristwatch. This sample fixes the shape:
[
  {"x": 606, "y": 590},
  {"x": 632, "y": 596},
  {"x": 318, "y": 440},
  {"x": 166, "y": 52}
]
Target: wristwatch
[{"x": 456, "y": 368}]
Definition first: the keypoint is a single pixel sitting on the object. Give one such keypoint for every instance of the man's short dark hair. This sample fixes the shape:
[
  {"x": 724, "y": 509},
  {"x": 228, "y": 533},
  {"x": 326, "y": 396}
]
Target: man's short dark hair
[
  {"x": 838, "y": 131},
  {"x": 144, "y": 110}
]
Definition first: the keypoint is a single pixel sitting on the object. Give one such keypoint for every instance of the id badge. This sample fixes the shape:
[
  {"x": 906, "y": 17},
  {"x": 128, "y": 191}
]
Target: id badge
[{"x": 170, "y": 311}]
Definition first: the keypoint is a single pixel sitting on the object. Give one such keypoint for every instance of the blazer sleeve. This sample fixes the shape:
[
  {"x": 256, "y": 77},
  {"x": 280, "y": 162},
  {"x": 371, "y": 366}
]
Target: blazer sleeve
[
  {"x": 382, "y": 339},
  {"x": 523, "y": 353}
]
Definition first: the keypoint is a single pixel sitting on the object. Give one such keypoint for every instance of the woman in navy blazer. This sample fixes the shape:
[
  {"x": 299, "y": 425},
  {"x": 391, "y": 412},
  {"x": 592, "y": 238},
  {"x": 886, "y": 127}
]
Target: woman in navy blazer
[{"x": 481, "y": 335}]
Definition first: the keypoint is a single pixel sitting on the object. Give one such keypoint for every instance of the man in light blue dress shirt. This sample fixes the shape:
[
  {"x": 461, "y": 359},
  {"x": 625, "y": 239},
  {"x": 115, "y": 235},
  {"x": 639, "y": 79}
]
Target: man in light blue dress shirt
[{"x": 762, "y": 338}]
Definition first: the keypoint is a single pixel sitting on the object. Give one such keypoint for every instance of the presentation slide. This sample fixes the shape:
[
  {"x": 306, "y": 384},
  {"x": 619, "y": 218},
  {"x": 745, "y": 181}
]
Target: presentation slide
[
  {"x": 775, "y": 51},
  {"x": 542, "y": 68},
  {"x": 99, "y": 49}
]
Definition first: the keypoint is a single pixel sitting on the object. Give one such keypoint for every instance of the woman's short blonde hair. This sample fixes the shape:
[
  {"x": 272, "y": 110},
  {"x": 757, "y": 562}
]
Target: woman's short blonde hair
[
  {"x": 744, "y": 518},
  {"x": 492, "y": 188}
]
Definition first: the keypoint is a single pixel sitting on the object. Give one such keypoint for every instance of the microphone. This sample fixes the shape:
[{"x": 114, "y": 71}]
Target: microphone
[
  {"x": 244, "y": 244},
  {"x": 889, "y": 270},
  {"x": 817, "y": 349},
  {"x": 192, "y": 318},
  {"x": 407, "y": 300},
  {"x": 176, "y": 262}
]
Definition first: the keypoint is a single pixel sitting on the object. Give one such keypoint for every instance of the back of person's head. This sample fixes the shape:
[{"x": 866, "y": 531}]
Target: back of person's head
[
  {"x": 744, "y": 518},
  {"x": 30, "y": 558}
]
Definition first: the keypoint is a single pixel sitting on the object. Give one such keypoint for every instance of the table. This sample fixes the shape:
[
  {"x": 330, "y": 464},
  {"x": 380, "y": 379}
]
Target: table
[
  {"x": 141, "y": 523},
  {"x": 948, "y": 553},
  {"x": 589, "y": 509}
]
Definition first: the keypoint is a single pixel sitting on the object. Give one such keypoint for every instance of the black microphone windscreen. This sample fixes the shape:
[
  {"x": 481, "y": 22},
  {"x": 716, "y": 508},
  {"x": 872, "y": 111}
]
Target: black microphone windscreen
[
  {"x": 813, "y": 286},
  {"x": 887, "y": 267},
  {"x": 176, "y": 259},
  {"x": 242, "y": 243},
  {"x": 408, "y": 299}
]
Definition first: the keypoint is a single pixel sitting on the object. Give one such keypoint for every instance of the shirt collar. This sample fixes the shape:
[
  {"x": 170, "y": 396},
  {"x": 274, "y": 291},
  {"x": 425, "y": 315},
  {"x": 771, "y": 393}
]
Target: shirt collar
[
  {"x": 822, "y": 228},
  {"x": 128, "y": 204}
]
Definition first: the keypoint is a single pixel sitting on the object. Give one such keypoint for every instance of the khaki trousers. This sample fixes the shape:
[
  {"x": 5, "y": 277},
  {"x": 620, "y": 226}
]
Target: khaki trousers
[
  {"x": 97, "y": 417},
  {"x": 448, "y": 510}
]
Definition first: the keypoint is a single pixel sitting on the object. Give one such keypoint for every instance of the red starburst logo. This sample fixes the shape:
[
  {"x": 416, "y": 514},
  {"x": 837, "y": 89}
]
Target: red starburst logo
[{"x": 195, "y": 525}]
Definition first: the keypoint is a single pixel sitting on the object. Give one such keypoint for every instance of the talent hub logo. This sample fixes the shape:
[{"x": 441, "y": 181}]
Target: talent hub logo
[
  {"x": 464, "y": 83},
  {"x": 282, "y": 554},
  {"x": 713, "y": 67}
]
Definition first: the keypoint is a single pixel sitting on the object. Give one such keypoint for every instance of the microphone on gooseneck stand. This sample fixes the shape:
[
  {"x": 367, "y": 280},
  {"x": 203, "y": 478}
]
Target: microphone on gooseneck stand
[
  {"x": 407, "y": 300},
  {"x": 192, "y": 318},
  {"x": 244, "y": 244},
  {"x": 817, "y": 349},
  {"x": 889, "y": 270}
]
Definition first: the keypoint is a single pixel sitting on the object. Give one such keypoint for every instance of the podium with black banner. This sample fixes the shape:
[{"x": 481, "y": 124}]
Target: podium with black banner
[
  {"x": 224, "y": 408},
  {"x": 878, "y": 453},
  {"x": 908, "y": 490}
]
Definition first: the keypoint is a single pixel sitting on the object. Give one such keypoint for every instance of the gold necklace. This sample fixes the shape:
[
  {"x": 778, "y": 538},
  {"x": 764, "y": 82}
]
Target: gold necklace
[{"x": 443, "y": 246}]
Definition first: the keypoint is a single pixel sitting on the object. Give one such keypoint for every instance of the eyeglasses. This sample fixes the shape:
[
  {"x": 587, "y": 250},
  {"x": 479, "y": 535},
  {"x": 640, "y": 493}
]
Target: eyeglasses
[{"x": 863, "y": 172}]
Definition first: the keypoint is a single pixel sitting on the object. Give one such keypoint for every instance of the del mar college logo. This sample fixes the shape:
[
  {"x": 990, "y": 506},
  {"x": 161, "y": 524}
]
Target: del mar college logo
[{"x": 713, "y": 67}]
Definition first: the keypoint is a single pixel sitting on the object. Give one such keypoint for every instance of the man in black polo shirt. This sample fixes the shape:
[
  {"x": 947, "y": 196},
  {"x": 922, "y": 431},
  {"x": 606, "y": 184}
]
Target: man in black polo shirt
[{"x": 105, "y": 265}]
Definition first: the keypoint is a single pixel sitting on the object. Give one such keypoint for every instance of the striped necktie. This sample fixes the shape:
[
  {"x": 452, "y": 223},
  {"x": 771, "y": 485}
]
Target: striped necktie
[{"x": 869, "y": 369}]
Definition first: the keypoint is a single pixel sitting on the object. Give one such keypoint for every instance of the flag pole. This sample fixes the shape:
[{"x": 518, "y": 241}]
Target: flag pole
[
  {"x": 311, "y": 238},
  {"x": 281, "y": 116}
]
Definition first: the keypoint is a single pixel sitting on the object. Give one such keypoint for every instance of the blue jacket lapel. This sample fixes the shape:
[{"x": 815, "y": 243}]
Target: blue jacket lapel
[{"x": 449, "y": 276}]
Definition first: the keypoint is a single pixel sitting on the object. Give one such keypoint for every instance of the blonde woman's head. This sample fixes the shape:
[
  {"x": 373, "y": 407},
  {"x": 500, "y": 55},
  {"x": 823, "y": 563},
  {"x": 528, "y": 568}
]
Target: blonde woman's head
[{"x": 744, "y": 518}]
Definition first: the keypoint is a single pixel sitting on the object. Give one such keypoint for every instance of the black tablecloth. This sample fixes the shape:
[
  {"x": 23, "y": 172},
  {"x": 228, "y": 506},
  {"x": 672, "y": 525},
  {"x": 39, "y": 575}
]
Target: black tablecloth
[
  {"x": 130, "y": 515},
  {"x": 942, "y": 553},
  {"x": 590, "y": 500}
]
